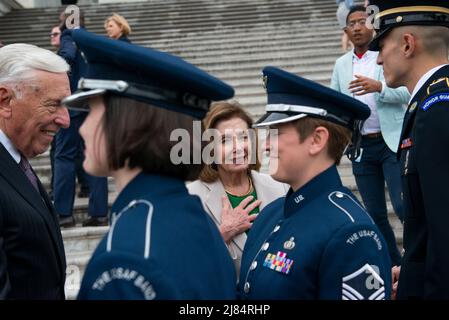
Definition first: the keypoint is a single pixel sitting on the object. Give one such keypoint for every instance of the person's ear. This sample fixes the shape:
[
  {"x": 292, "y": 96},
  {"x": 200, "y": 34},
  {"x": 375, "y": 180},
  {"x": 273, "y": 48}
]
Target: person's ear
[
  {"x": 408, "y": 44},
  {"x": 6, "y": 96},
  {"x": 319, "y": 137}
]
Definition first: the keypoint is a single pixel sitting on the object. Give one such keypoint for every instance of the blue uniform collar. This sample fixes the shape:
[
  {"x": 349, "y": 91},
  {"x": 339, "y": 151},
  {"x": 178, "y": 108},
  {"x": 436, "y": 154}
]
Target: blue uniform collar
[
  {"x": 327, "y": 181},
  {"x": 148, "y": 185}
]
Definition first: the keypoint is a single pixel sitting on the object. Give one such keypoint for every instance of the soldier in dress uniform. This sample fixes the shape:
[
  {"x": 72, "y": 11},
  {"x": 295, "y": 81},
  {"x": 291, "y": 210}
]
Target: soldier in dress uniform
[
  {"x": 318, "y": 242},
  {"x": 161, "y": 244},
  {"x": 413, "y": 44}
]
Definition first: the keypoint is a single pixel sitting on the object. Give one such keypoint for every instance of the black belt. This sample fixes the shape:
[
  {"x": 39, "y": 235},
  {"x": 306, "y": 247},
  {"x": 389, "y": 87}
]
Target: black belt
[{"x": 372, "y": 135}]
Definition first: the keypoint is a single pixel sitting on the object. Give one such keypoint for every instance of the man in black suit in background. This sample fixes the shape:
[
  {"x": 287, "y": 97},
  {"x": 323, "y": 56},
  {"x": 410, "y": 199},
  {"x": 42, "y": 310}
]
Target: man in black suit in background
[{"x": 33, "y": 81}]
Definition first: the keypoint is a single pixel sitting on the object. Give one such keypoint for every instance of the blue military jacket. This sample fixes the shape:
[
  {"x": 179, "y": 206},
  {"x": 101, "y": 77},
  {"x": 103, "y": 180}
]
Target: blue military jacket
[
  {"x": 315, "y": 243},
  {"x": 161, "y": 245}
]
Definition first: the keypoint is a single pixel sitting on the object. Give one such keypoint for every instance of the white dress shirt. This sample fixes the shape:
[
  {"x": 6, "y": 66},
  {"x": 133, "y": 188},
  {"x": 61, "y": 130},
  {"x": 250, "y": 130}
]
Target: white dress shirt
[
  {"x": 366, "y": 66},
  {"x": 4, "y": 140}
]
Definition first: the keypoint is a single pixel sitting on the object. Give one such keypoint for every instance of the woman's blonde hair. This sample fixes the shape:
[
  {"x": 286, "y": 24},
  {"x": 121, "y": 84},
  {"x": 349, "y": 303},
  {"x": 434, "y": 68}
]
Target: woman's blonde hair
[
  {"x": 221, "y": 111},
  {"x": 121, "y": 22}
]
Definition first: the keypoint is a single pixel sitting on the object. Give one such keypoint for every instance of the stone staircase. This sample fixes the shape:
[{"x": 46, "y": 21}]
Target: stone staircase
[{"x": 232, "y": 39}]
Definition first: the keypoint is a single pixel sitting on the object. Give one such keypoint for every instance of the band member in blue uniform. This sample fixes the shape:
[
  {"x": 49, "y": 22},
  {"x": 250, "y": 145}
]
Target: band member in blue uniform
[
  {"x": 413, "y": 44},
  {"x": 161, "y": 244},
  {"x": 318, "y": 242}
]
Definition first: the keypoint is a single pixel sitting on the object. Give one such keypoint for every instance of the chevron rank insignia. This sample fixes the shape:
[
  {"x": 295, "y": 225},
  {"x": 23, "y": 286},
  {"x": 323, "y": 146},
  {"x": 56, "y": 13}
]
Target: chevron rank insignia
[
  {"x": 278, "y": 262},
  {"x": 363, "y": 284}
]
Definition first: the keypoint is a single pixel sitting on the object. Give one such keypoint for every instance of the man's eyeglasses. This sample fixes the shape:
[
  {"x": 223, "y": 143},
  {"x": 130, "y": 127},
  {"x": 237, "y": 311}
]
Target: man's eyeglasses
[
  {"x": 54, "y": 34},
  {"x": 352, "y": 24}
]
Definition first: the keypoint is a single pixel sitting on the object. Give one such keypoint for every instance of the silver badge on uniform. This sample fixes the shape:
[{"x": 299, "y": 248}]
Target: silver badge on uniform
[{"x": 289, "y": 244}]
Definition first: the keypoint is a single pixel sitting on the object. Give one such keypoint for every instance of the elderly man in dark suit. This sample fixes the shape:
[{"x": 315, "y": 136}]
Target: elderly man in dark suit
[{"x": 33, "y": 81}]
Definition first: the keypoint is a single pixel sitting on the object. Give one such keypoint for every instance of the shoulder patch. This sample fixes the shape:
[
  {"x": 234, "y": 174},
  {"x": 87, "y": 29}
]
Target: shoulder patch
[
  {"x": 137, "y": 284},
  {"x": 436, "y": 98}
]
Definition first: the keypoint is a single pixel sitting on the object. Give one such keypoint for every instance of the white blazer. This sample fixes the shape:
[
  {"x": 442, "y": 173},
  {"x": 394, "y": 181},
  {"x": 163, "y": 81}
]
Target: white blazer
[{"x": 267, "y": 190}]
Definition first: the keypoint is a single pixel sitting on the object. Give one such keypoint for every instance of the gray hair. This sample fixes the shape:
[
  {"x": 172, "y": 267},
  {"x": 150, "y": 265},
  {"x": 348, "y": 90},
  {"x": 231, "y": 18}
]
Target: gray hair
[{"x": 18, "y": 62}]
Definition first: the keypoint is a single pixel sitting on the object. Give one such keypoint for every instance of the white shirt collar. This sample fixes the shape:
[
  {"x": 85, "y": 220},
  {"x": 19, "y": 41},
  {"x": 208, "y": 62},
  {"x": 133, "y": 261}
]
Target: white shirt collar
[
  {"x": 424, "y": 79},
  {"x": 4, "y": 140},
  {"x": 366, "y": 56}
]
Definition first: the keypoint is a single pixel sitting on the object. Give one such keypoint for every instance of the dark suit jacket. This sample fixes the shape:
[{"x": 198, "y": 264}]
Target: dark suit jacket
[
  {"x": 32, "y": 258},
  {"x": 424, "y": 153}
]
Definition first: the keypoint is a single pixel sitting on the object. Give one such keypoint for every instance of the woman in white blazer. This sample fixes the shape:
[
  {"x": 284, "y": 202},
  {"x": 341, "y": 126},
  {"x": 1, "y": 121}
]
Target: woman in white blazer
[{"x": 231, "y": 189}]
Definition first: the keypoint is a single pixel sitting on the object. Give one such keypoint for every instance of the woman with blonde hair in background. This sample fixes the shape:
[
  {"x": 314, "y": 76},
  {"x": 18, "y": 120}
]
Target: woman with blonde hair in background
[
  {"x": 232, "y": 190},
  {"x": 117, "y": 27}
]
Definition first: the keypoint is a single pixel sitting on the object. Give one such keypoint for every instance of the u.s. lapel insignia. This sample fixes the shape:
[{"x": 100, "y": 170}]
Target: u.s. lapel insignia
[
  {"x": 289, "y": 244},
  {"x": 413, "y": 106},
  {"x": 406, "y": 143},
  {"x": 278, "y": 262},
  {"x": 265, "y": 81}
]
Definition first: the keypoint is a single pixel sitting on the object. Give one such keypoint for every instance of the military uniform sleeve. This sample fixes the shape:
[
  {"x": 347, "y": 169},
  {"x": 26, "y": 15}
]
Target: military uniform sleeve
[
  {"x": 432, "y": 164},
  {"x": 4, "y": 279},
  {"x": 355, "y": 265},
  {"x": 121, "y": 276},
  {"x": 67, "y": 49}
]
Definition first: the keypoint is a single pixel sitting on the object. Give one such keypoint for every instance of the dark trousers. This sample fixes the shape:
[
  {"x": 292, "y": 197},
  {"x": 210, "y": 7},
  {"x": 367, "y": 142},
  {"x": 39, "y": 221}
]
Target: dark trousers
[
  {"x": 68, "y": 143},
  {"x": 377, "y": 165},
  {"x": 81, "y": 175}
]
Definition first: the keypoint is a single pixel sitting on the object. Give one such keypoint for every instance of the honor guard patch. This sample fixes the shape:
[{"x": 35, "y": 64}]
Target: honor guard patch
[
  {"x": 363, "y": 284},
  {"x": 278, "y": 262},
  {"x": 430, "y": 101}
]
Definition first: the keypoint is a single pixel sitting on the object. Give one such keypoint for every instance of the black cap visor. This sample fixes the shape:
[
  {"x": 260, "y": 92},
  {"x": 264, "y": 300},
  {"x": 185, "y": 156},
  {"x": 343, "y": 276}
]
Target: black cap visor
[
  {"x": 374, "y": 44},
  {"x": 79, "y": 100}
]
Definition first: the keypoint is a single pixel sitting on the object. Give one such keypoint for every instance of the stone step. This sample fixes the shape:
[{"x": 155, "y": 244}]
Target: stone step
[
  {"x": 169, "y": 42},
  {"x": 183, "y": 24},
  {"x": 241, "y": 36},
  {"x": 82, "y": 239},
  {"x": 76, "y": 266},
  {"x": 316, "y": 58},
  {"x": 265, "y": 47},
  {"x": 179, "y": 10}
]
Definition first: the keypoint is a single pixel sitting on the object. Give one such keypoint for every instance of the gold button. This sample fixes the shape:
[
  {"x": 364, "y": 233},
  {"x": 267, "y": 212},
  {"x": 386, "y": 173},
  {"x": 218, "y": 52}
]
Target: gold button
[{"x": 399, "y": 19}]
